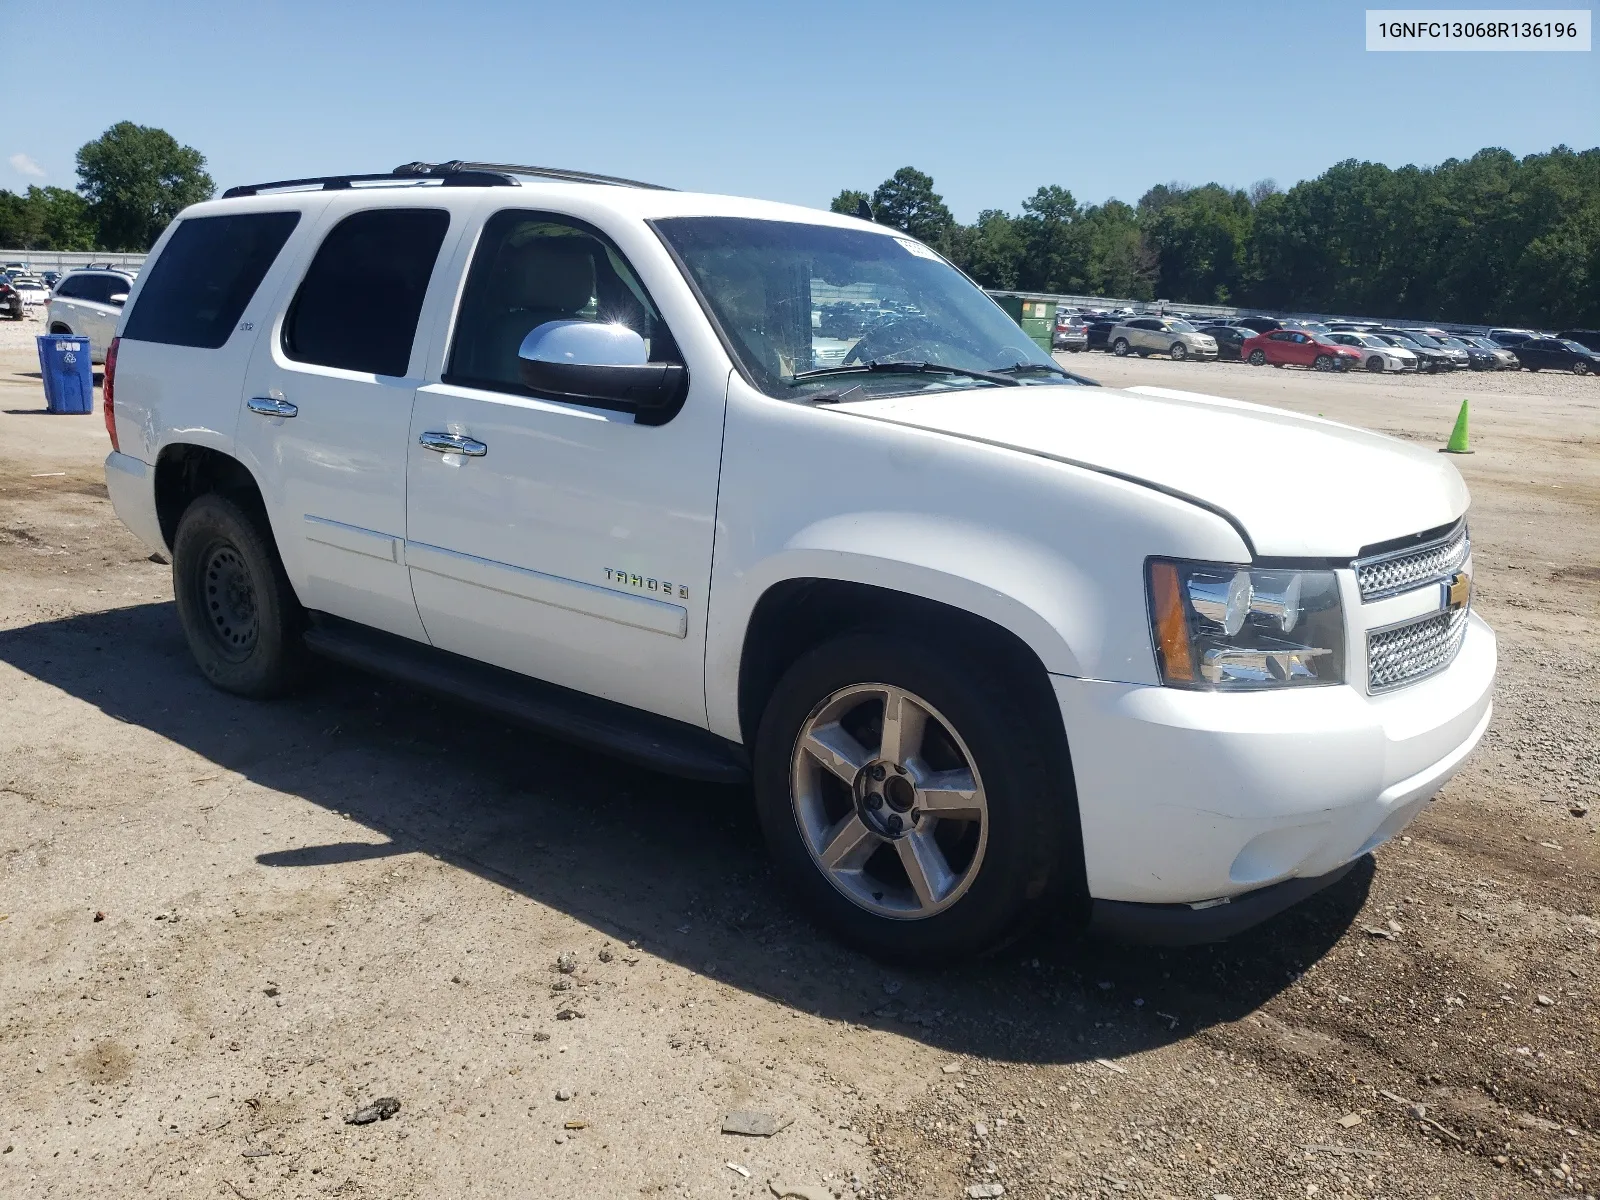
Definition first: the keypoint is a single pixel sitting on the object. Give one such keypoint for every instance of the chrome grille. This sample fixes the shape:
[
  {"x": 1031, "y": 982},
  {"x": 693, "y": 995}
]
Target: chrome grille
[
  {"x": 1401, "y": 570},
  {"x": 1403, "y": 654}
]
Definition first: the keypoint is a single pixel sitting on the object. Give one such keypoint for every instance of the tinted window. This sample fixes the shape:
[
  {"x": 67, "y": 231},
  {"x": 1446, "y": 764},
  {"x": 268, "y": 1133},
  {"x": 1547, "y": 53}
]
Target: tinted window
[
  {"x": 202, "y": 280},
  {"x": 100, "y": 288},
  {"x": 358, "y": 305},
  {"x": 72, "y": 287},
  {"x": 531, "y": 268}
]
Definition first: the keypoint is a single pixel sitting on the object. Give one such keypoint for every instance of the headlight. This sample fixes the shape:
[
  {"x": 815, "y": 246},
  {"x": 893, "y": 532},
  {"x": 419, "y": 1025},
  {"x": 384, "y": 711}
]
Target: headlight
[{"x": 1223, "y": 627}]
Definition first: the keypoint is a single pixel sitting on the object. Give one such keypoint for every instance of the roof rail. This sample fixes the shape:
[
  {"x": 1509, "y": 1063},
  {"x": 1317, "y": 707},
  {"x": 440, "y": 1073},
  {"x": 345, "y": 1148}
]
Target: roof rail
[
  {"x": 456, "y": 166},
  {"x": 455, "y": 173}
]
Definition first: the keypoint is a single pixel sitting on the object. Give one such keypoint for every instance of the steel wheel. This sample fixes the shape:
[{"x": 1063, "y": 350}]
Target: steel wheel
[
  {"x": 228, "y": 598},
  {"x": 889, "y": 801}
]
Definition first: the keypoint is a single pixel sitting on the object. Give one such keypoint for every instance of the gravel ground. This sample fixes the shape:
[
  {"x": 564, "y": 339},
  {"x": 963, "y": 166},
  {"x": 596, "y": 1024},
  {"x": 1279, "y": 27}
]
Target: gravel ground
[{"x": 226, "y": 926}]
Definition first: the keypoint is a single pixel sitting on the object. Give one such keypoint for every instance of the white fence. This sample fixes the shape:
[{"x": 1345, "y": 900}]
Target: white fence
[{"x": 67, "y": 260}]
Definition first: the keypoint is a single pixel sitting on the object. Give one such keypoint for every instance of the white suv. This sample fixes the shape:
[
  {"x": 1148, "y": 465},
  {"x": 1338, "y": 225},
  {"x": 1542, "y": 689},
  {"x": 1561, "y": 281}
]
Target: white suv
[
  {"x": 988, "y": 640},
  {"x": 89, "y": 303}
]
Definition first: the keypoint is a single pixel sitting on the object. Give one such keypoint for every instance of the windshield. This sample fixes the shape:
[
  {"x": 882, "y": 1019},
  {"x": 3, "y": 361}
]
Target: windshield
[
  {"x": 1484, "y": 343},
  {"x": 1455, "y": 343},
  {"x": 1423, "y": 339},
  {"x": 1181, "y": 327},
  {"x": 1578, "y": 346},
  {"x": 1403, "y": 342},
  {"x": 791, "y": 297},
  {"x": 1366, "y": 339}
]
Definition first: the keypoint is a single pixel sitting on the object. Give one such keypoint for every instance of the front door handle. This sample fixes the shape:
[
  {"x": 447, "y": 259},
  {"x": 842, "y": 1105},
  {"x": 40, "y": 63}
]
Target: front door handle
[
  {"x": 453, "y": 443},
  {"x": 268, "y": 406}
]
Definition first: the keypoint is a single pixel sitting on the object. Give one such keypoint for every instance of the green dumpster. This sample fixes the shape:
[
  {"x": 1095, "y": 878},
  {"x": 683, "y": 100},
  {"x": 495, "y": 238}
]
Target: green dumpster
[{"x": 1037, "y": 318}]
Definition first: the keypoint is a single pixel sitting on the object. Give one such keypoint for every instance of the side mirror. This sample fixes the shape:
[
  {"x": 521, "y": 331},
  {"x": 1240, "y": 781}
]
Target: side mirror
[
  {"x": 589, "y": 362},
  {"x": 120, "y": 299}
]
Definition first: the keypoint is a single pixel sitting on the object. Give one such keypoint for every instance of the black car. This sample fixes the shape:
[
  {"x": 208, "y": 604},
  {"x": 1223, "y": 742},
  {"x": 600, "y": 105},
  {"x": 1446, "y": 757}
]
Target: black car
[
  {"x": 1478, "y": 358},
  {"x": 1429, "y": 358},
  {"x": 1099, "y": 332},
  {"x": 1510, "y": 338},
  {"x": 10, "y": 300},
  {"x": 1229, "y": 339},
  {"x": 1259, "y": 324},
  {"x": 1584, "y": 337},
  {"x": 1557, "y": 354}
]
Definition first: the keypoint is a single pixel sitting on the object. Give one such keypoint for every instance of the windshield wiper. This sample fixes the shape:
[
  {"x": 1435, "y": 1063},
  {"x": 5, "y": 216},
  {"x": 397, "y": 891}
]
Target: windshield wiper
[
  {"x": 904, "y": 368},
  {"x": 1029, "y": 368}
]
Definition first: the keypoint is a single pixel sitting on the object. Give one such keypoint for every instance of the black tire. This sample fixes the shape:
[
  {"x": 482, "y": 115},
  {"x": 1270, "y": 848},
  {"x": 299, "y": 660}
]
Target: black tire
[
  {"x": 1535, "y": 370},
  {"x": 1120, "y": 347},
  {"x": 239, "y": 613},
  {"x": 1375, "y": 364},
  {"x": 1025, "y": 868},
  {"x": 1178, "y": 352},
  {"x": 1258, "y": 358},
  {"x": 1323, "y": 362}
]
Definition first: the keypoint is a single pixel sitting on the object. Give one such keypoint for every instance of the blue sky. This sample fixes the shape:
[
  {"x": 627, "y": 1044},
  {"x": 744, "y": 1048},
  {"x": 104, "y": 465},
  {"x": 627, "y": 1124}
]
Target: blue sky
[{"x": 785, "y": 101}]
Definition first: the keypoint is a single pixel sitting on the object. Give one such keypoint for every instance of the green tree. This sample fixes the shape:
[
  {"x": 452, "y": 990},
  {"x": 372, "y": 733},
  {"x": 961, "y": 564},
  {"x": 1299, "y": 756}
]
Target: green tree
[
  {"x": 1201, "y": 238},
  {"x": 136, "y": 179},
  {"x": 907, "y": 201},
  {"x": 1057, "y": 255},
  {"x": 1121, "y": 262},
  {"x": 45, "y": 218},
  {"x": 994, "y": 250},
  {"x": 847, "y": 202}
]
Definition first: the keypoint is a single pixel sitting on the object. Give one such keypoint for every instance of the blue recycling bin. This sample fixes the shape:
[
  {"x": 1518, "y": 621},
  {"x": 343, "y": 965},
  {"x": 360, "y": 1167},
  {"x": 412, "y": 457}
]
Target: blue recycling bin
[{"x": 64, "y": 362}]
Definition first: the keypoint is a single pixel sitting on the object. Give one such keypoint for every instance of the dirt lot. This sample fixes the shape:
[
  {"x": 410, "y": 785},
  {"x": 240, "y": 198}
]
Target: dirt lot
[{"x": 363, "y": 893}]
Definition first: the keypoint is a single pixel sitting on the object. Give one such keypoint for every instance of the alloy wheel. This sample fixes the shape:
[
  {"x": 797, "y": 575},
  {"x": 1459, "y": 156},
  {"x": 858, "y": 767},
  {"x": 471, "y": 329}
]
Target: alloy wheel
[{"x": 889, "y": 801}]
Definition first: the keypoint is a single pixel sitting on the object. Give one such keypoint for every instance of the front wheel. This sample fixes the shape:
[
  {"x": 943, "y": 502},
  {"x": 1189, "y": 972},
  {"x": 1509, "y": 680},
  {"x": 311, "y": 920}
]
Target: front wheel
[
  {"x": 238, "y": 610},
  {"x": 1375, "y": 364},
  {"x": 1258, "y": 358},
  {"x": 1179, "y": 352},
  {"x": 1323, "y": 362},
  {"x": 1580, "y": 367},
  {"x": 910, "y": 797}
]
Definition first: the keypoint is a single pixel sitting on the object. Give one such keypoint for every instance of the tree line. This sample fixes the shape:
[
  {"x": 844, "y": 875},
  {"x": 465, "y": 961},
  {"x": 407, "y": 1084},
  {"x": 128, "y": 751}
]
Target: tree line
[
  {"x": 1492, "y": 239},
  {"x": 132, "y": 180}
]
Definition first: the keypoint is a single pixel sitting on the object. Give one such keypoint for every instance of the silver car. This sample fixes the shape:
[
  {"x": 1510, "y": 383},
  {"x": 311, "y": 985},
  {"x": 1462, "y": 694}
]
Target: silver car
[
  {"x": 1161, "y": 335},
  {"x": 88, "y": 304},
  {"x": 1376, "y": 354}
]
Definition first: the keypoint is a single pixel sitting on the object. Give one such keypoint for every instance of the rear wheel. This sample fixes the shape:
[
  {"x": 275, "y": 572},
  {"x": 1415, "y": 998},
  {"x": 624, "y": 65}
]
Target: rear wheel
[
  {"x": 911, "y": 798},
  {"x": 1258, "y": 358},
  {"x": 1120, "y": 347},
  {"x": 1375, "y": 364},
  {"x": 239, "y": 613},
  {"x": 1179, "y": 352}
]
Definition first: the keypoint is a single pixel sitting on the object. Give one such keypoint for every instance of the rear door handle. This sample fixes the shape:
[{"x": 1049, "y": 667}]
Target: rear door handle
[
  {"x": 267, "y": 406},
  {"x": 453, "y": 443}
]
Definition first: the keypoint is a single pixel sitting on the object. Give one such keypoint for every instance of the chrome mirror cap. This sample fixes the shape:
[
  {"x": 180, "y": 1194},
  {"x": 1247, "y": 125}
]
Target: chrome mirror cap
[{"x": 584, "y": 344}]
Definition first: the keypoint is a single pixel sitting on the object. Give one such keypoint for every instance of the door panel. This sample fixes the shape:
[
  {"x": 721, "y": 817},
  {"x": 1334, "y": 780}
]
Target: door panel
[{"x": 577, "y": 547}]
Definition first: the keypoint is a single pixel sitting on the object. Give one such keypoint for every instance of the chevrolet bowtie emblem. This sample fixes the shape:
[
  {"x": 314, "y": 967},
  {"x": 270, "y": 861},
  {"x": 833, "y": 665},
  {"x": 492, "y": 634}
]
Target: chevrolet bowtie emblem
[{"x": 1458, "y": 591}]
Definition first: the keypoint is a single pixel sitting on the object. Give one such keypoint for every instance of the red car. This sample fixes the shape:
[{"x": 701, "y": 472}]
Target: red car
[{"x": 1301, "y": 347}]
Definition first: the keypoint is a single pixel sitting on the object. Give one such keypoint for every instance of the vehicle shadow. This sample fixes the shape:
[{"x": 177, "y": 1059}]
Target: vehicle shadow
[{"x": 676, "y": 866}]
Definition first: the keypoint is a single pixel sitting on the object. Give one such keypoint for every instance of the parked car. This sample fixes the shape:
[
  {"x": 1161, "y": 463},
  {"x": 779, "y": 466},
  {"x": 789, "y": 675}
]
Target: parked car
[
  {"x": 11, "y": 301},
  {"x": 51, "y": 278},
  {"x": 1557, "y": 354},
  {"x": 1429, "y": 339},
  {"x": 1377, "y": 355},
  {"x": 1298, "y": 347},
  {"x": 1354, "y": 326},
  {"x": 1431, "y": 359},
  {"x": 88, "y": 303},
  {"x": 1478, "y": 358},
  {"x": 1098, "y": 333},
  {"x": 1504, "y": 360},
  {"x": 32, "y": 290},
  {"x": 1510, "y": 338},
  {"x": 1162, "y": 335},
  {"x": 1584, "y": 337},
  {"x": 1080, "y": 664},
  {"x": 1259, "y": 324},
  {"x": 1311, "y": 326},
  {"x": 1071, "y": 338},
  {"x": 1229, "y": 339}
]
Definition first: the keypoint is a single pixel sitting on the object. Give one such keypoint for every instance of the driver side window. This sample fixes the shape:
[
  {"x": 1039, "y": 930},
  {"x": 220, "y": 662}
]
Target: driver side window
[{"x": 532, "y": 268}]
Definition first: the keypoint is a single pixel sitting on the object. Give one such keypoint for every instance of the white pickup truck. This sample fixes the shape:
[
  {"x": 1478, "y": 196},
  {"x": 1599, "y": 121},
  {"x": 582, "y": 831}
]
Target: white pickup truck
[{"x": 747, "y": 491}]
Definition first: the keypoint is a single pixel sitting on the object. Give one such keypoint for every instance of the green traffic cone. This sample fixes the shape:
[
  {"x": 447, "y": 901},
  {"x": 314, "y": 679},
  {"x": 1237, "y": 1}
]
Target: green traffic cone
[{"x": 1458, "y": 435}]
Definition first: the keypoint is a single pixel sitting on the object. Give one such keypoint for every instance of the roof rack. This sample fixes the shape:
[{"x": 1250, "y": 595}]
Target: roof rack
[{"x": 455, "y": 173}]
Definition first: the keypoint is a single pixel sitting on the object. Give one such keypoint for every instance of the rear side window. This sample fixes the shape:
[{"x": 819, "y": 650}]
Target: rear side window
[
  {"x": 358, "y": 306},
  {"x": 71, "y": 288},
  {"x": 204, "y": 278}
]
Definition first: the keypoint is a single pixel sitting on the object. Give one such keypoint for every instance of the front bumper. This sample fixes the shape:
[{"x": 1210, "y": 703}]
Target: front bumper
[{"x": 1188, "y": 797}]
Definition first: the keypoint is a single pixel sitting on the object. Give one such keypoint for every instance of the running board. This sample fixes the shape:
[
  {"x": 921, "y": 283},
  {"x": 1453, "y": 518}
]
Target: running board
[{"x": 646, "y": 739}]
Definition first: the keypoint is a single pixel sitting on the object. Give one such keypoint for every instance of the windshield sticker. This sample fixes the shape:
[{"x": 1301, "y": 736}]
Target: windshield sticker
[{"x": 917, "y": 248}]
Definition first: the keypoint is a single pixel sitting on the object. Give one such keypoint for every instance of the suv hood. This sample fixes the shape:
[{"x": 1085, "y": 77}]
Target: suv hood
[{"x": 1297, "y": 486}]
